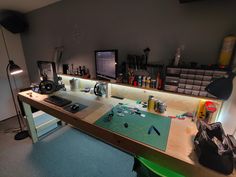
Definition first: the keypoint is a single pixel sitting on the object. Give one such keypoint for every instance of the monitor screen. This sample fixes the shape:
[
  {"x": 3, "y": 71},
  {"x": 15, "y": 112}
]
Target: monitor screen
[{"x": 106, "y": 63}]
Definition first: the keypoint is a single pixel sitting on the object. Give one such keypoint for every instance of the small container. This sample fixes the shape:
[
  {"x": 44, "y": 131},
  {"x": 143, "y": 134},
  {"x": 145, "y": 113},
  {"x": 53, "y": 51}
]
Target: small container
[
  {"x": 227, "y": 50},
  {"x": 208, "y": 73},
  {"x": 195, "y": 93},
  {"x": 160, "y": 106},
  {"x": 74, "y": 84},
  {"x": 219, "y": 74},
  {"x": 205, "y": 83},
  {"x": 182, "y": 81},
  {"x": 200, "y": 72},
  {"x": 182, "y": 86},
  {"x": 187, "y": 86},
  {"x": 131, "y": 79},
  {"x": 203, "y": 88},
  {"x": 135, "y": 83},
  {"x": 196, "y": 82},
  {"x": 153, "y": 83},
  {"x": 171, "y": 88},
  {"x": 119, "y": 79},
  {"x": 188, "y": 91},
  {"x": 191, "y": 76},
  {"x": 180, "y": 90},
  {"x": 189, "y": 81},
  {"x": 65, "y": 68},
  {"x": 207, "y": 78},
  {"x": 192, "y": 71},
  {"x": 173, "y": 71},
  {"x": 144, "y": 82},
  {"x": 203, "y": 93},
  {"x": 199, "y": 77},
  {"x": 183, "y": 76},
  {"x": 196, "y": 87},
  {"x": 140, "y": 81},
  {"x": 151, "y": 103},
  {"x": 184, "y": 71},
  {"x": 148, "y": 81}
]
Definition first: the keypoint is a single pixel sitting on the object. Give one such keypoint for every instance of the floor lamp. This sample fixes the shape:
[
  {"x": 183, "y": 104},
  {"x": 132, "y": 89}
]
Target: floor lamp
[{"x": 14, "y": 69}]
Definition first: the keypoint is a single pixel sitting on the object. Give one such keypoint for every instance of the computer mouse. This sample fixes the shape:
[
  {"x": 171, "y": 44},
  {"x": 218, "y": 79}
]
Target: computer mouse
[{"x": 75, "y": 107}]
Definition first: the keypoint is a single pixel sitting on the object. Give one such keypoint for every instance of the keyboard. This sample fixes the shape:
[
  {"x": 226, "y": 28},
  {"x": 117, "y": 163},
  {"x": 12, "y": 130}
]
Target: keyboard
[{"x": 58, "y": 101}]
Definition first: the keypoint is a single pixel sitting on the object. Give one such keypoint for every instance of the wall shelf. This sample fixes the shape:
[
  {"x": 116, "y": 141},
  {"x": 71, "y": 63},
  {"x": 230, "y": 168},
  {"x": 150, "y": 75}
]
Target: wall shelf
[{"x": 148, "y": 89}]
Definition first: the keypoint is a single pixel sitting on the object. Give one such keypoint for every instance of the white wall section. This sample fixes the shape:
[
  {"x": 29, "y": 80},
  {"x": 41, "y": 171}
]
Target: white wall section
[{"x": 22, "y": 80}]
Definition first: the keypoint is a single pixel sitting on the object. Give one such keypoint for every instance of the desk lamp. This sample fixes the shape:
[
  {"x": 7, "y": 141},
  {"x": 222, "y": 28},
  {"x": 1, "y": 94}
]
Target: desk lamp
[{"x": 14, "y": 69}]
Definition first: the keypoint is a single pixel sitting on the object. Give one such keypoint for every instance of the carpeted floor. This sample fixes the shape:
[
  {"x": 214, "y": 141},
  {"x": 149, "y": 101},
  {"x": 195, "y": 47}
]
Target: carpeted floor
[{"x": 64, "y": 153}]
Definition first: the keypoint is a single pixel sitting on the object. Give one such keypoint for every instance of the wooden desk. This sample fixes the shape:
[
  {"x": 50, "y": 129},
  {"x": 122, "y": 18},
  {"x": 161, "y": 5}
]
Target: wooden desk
[{"x": 178, "y": 156}]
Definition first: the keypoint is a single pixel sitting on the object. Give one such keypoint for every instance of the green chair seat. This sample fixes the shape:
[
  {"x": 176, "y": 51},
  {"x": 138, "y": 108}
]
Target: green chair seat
[{"x": 151, "y": 169}]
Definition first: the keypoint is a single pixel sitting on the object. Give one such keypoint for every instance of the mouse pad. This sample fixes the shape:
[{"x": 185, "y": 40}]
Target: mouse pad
[
  {"x": 81, "y": 107},
  {"x": 136, "y": 127}
]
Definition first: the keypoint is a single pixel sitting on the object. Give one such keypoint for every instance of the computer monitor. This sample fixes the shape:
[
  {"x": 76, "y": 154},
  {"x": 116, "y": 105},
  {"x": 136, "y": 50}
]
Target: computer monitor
[
  {"x": 47, "y": 71},
  {"x": 106, "y": 63}
]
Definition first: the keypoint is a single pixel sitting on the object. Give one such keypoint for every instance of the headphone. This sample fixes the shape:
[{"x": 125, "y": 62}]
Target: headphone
[{"x": 47, "y": 87}]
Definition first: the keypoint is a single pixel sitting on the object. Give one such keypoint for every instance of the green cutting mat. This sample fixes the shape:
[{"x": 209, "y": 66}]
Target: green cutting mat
[{"x": 138, "y": 126}]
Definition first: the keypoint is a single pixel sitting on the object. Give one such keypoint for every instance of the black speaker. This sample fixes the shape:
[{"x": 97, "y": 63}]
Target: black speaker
[{"x": 13, "y": 21}]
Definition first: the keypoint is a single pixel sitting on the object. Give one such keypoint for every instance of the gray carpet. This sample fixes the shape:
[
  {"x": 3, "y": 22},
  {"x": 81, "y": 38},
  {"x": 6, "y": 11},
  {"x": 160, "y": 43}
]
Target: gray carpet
[{"x": 64, "y": 153}]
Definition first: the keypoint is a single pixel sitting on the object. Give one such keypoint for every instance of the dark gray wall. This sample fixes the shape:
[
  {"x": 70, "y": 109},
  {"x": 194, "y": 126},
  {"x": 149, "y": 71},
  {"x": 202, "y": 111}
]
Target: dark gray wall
[{"x": 83, "y": 26}]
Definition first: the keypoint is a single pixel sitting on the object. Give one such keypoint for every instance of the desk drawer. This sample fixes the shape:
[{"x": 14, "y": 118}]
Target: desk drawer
[{"x": 44, "y": 123}]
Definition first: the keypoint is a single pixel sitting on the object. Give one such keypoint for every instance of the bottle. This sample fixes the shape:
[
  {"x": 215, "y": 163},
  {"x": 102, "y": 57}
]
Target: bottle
[
  {"x": 177, "y": 57},
  {"x": 227, "y": 50},
  {"x": 80, "y": 71},
  {"x": 157, "y": 82},
  {"x": 77, "y": 71},
  {"x": 151, "y": 103},
  {"x": 153, "y": 83},
  {"x": 160, "y": 81},
  {"x": 119, "y": 79},
  {"x": 87, "y": 73},
  {"x": 144, "y": 82},
  {"x": 135, "y": 82},
  {"x": 140, "y": 81},
  {"x": 84, "y": 71},
  {"x": 148, "y": 81},
  {"x": 72, "y": 69}
]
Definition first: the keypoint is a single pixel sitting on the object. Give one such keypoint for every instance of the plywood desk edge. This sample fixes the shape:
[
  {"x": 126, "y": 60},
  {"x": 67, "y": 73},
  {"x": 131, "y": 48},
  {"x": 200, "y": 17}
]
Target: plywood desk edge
[{"x": 190, "y": 168}]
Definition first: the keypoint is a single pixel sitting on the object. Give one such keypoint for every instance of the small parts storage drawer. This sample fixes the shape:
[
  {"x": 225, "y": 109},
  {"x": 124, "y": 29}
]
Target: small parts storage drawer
[
  {"x": 191, "y": 81},
  {"x": 172, "y": 80},
  {"x": 171, "y": 88}
]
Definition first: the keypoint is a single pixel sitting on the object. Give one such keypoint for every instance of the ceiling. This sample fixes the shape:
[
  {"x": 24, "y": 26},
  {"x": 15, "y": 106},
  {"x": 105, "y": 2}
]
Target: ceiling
[{"x": 24, "y": 6}]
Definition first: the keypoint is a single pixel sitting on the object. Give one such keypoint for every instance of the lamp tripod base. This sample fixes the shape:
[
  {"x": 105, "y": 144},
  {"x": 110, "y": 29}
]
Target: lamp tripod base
[{"x": 22, "y": 135}]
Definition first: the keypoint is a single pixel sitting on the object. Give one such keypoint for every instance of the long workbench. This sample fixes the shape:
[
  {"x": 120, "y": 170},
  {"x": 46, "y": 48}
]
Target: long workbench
[{"x": 178, "y": 156}]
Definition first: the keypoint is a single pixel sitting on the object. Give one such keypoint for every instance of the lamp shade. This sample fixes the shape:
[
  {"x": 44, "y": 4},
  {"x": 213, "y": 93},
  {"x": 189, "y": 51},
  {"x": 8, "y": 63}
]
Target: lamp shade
[
  {"x": 13, "y": 68},
  {"x": 222, "y": 87}
]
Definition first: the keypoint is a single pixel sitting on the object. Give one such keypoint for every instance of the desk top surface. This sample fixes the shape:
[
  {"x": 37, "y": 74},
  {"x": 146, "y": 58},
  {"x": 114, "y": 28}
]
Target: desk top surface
[{"x": 180, "y": 140}]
